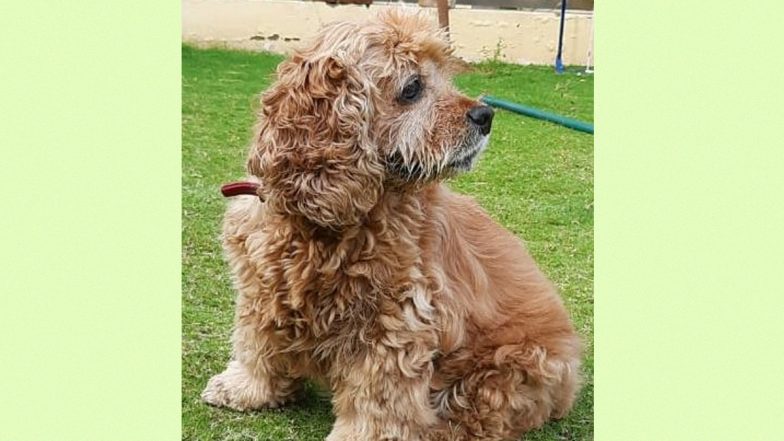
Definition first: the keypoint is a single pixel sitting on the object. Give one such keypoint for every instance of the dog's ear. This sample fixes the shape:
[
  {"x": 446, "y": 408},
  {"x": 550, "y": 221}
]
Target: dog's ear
[{"x": 313, "y": 152}]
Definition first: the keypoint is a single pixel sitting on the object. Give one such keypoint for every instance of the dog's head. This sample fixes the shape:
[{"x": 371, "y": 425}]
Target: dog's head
[{"x": 366, "y": 108}]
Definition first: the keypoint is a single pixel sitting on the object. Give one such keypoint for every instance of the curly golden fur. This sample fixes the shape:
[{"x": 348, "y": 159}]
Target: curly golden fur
[{"x": 426, "y": 319}]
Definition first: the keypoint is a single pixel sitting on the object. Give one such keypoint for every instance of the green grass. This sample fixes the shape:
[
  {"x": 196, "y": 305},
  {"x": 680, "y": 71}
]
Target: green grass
[{"x": 536, "y": 179}]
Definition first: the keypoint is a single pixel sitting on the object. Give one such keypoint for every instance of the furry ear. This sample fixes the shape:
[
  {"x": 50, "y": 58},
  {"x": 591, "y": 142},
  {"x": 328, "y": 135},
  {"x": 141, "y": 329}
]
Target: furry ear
[{"x": 313, "y": 152}]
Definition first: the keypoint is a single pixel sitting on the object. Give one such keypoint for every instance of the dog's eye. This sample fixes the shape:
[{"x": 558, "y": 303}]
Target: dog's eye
[{"x": 412, "y": 91}]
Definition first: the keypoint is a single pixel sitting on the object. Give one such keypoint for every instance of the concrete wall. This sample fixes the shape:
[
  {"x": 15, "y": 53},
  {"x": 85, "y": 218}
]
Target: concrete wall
[{"x": 524, "y": 37}]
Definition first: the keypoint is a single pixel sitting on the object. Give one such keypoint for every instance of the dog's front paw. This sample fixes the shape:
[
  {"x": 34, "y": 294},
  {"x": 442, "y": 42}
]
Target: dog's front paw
[
  {"x": 236, "y": 389},
  {"x": 221, "y": 392}
]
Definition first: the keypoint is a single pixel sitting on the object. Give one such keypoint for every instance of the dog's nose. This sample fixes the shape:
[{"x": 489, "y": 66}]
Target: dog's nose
[{"x": 482, "y": 116}]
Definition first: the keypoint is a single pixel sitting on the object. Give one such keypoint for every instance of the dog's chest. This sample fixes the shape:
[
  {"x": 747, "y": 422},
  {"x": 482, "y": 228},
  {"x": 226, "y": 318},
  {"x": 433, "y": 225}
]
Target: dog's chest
[
  {"x": 346, "y": 296},
  {"x": 331, "y": 324},
  {"x": 330, "y": 317}
]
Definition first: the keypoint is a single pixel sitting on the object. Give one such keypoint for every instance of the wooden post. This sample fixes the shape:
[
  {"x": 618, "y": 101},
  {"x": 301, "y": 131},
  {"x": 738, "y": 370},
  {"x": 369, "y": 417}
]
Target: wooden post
[{"x": 443, "y": 15}]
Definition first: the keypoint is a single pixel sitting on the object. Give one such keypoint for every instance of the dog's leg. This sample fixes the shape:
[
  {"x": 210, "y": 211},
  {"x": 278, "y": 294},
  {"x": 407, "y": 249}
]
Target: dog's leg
[
  {"x": 385, "y": 397},
  {"x": 502, "y": 396},
  {"x": 254, "y": 378},
  {"x": 258, "y": 375}
]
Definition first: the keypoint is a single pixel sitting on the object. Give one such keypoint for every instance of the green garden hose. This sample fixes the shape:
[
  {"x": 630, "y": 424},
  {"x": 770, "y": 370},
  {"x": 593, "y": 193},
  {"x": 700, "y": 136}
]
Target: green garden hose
[{"x": 536, "y": 113}]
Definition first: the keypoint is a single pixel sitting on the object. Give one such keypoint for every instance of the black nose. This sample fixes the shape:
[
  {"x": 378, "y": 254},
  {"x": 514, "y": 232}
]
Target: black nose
[{"x": 482, "y": 116}]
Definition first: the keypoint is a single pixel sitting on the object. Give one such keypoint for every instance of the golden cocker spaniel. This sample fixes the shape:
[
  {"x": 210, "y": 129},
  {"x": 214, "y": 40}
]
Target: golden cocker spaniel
[{"x": 358, "y": 269}]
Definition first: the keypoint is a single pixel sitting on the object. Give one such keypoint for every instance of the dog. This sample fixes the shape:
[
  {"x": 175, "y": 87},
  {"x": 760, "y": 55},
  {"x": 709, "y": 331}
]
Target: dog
[{"x": 357, "y": 268}]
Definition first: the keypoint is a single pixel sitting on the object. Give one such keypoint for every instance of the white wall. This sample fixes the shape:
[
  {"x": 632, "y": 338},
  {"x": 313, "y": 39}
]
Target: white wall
[{"x": 524, "y": 37}]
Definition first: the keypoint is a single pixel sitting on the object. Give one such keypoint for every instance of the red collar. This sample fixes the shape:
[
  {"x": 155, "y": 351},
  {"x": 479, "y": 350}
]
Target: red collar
[{"x": 238, "y": 188}]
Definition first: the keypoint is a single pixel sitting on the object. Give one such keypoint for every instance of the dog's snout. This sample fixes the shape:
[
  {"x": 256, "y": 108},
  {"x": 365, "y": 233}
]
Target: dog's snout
[{"x": 482, "y": 116}]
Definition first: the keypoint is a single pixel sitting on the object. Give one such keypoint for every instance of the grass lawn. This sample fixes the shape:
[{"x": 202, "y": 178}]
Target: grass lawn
[{"x": 536, "y": 179}]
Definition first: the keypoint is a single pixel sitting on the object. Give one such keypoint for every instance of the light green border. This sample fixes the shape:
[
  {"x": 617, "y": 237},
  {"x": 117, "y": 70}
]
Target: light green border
[
  {"x": 90, "y": 223},
  {"x": 689, "y": 221},
  {"x": 689, "y": 179}
]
